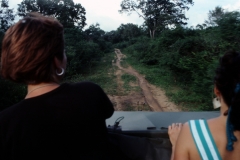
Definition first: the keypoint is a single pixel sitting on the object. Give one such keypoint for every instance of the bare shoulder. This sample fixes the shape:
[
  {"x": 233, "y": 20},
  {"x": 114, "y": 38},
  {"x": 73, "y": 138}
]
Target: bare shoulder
[
  {"x": 185, "y": 146},
  {"x": 218, "y": 130}
]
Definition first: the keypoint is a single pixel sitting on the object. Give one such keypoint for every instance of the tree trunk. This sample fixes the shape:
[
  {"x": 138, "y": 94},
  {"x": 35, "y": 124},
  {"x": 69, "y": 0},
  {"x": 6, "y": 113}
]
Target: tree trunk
[{"x": 151, "y": 34}]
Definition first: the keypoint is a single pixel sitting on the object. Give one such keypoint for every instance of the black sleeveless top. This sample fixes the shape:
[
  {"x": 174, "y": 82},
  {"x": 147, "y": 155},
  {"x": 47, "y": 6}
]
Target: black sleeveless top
[{"x": 65, "y": 123}]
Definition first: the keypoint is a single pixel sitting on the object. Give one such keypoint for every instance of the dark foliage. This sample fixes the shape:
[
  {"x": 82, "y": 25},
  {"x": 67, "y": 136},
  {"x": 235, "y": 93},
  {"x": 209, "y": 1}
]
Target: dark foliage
[
  {"x": 66, "y": 11},
  {"x": 188, "y": 55}
]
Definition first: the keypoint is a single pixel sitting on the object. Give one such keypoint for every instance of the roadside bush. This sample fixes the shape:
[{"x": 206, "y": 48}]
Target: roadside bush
[
  {"x": 190, "y": 56},
  {"x": 83, "y": 58}
]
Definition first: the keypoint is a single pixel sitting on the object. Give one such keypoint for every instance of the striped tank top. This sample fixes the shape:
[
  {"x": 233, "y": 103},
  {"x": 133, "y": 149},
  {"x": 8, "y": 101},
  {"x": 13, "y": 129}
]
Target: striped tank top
[{"x": 203, "y": 140}]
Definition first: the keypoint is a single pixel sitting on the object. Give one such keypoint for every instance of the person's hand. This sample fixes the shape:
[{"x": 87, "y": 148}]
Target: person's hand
[{"x": 173, "y": 132}]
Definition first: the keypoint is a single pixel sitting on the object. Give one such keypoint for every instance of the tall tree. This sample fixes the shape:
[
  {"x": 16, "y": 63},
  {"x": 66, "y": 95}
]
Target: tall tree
[
  {"x": 94, "y": 33},
  {"x": 66, "y": 11},
  {"x": 157, "y": 14},
  {"x": 229, "y": 25},
  {"x": 129, "y": 31},
  {"x": 6, "y": 16},
  {"x": 214, "y": 16},
  {"x": 113, "y": 37}
]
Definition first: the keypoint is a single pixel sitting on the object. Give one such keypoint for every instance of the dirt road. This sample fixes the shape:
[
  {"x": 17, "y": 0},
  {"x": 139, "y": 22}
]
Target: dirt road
[{"x": 150, "y": 97}]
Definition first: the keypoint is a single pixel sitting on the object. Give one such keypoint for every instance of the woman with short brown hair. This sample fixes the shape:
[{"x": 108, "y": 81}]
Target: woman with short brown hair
[{"x": 60, "y": 121}]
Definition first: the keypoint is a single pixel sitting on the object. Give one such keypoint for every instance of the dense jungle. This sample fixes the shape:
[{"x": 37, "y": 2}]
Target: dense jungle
[{"x": 179, "y": 60}]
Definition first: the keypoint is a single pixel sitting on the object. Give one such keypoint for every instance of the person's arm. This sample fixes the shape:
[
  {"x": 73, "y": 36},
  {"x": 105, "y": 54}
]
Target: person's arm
[
  {"x": 181, "y": 150},
  {"x": 100, "y": 101},
  {"x": 105, "y": 105},
  {"x": 173, "y": 132}
]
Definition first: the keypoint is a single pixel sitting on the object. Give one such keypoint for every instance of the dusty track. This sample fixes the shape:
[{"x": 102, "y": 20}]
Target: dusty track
[
  {"x": 142, "y": 83},
  {"x": 150, "y": 96}
]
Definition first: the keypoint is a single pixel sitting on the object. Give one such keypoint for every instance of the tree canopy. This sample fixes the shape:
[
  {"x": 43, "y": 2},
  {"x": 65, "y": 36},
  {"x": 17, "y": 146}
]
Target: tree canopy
[
  {"x": 6, "y": 16},
  {"x": 66, "y": 11},
  {"x": 214, "y": 16},
  {"x": 128, "y": 31},
  {"x": 157, "y": 14}
]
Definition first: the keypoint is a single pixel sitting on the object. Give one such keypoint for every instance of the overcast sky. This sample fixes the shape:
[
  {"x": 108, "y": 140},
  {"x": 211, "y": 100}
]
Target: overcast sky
[{"x": 105, "y": 12}]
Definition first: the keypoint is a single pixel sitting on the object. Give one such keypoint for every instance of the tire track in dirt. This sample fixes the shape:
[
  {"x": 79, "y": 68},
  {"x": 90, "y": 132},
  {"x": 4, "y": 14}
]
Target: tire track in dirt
[
  {"x": 132, "y": 100},
  {"x": 150, "y": 98},
  {"x": 151, "y": 101}
]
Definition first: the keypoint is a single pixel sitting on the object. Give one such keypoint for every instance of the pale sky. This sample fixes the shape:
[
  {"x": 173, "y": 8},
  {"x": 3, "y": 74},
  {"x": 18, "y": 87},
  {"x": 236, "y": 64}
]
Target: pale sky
[{"x": 105, "y": 12}]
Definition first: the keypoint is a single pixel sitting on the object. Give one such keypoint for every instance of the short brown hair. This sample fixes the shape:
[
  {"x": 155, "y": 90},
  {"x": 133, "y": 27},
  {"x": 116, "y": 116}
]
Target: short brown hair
[{"x": 29, "y": 48}]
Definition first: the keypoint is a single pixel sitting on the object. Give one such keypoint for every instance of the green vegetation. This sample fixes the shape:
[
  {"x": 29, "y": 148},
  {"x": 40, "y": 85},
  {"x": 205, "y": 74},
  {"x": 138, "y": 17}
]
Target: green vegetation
[
  {"x": 183, "y": 60},
  {"x": 124, "y": 63},
  {"x": 157, "y": 15},
  {"x": 66, "y": 11},
  {"x": 177, "y": 92},
  {"x": 129, "y": 83},
  {"x": 179, "y": 59},
  {"x": 128, "y": 78},
  {"x": 102, "y": 74}
]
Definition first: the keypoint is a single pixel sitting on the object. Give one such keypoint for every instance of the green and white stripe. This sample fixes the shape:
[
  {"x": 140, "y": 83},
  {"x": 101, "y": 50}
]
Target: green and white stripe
[{"x": 204, "y": 140}]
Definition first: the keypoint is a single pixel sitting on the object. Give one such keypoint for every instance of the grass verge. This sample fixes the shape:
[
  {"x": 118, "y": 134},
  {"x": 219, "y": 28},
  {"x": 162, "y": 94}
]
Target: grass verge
[
  {"x": 130, "y": 83},
  {"x": 163, "y": 77},
  {"x": 102, "y": 74}
]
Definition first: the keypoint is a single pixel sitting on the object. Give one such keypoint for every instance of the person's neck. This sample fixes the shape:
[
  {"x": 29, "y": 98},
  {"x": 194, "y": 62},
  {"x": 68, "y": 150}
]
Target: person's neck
[
  {"x": 222, "y": 116},
  {"x": 224, "y": 108},
  {"x": 41, "y": 88}
]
